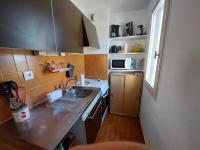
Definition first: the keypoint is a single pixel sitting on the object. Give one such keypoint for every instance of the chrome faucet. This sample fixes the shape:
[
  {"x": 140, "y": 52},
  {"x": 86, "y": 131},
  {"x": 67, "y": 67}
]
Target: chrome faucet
[{"x": 68, "y": 82}]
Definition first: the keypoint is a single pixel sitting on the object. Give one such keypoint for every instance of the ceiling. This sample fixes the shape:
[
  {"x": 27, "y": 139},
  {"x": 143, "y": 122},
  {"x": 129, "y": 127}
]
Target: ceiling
[{"x": 113, "y": 5}]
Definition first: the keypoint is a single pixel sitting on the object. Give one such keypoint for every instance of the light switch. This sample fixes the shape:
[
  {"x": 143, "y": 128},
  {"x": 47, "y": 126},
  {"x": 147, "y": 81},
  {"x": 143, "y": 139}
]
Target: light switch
[{"x": 28, "y": 75}]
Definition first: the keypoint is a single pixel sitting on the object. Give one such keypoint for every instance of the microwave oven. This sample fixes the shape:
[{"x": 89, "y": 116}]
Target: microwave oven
[{"x": 121, "y": 63}]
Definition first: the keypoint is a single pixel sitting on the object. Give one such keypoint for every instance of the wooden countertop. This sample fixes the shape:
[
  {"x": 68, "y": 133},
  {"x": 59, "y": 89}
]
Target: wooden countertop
[{"x": 48, "y": 123}]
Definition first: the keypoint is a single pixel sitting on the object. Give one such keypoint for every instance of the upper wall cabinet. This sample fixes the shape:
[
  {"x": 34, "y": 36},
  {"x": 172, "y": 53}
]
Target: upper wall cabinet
[
  {"x": 47, "y": 25},
  {"x": 68, "y": 26},
  {"x": 26, "y": 24},
  {"x": 73, "y": 30}
]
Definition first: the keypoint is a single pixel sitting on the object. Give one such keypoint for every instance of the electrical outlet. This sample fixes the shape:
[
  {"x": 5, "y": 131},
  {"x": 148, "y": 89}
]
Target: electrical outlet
[{"x": 28, "y": 75}]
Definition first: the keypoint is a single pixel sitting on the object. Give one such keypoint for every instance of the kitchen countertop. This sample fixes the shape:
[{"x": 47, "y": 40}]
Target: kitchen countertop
[
  {"x": 103, "y": 84},
  {"x": 49, "y": 123}
]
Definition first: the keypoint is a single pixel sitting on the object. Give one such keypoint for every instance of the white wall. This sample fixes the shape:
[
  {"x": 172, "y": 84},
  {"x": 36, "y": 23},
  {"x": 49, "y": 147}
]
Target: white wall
[
  {"x": 101, "y": 21},
  {"x": 171, "y": 121}
]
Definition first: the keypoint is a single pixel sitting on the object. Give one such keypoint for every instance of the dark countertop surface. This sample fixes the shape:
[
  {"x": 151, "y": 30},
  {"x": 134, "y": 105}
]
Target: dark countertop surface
[{"x": 48, "y": 124}]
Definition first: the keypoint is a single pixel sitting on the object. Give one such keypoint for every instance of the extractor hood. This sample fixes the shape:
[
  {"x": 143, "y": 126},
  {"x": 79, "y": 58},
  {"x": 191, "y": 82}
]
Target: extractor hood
[{"x": 90, "y": 38}]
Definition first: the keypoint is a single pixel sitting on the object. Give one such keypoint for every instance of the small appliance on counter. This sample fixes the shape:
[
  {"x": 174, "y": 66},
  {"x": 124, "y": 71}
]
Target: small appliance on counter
[
  {"x": 129, "y": 29},
  {"x": 17, "y": 98},
  {"x": 141, "y": 27},
  {"x": 113, "y": 49},
  {"x": 120, "y": 63},
  {"x": 114, "y": 30},
  {"x": 119, "y": 48},
  {"x": 126, "y": 64}
]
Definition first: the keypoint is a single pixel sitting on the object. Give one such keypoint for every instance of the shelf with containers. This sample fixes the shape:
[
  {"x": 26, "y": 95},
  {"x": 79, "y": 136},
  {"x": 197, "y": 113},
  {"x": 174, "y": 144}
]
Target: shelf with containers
[
  {"x": 132, "y": 44},
  {"x": 137, "y": 60},
  {"x": 134, "y": 37},
  {"x": 127, "y": 38}
]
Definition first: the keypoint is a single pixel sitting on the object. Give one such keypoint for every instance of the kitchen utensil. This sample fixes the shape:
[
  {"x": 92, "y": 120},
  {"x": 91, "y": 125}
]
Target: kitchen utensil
[
  {"x": 14, "y": 93},
  {"x": 6, "y": 87},
  {"x": 21, "y": 93},
  {"x": 141, "y": 27},
  {"x": 15, "y": 104}
]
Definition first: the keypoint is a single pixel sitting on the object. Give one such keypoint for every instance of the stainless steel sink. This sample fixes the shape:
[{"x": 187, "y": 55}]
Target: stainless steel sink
[
  {"x": 73, "y": 96},
  {"x": 85, "y": 83},
  {"x": 77, "y": 93}
]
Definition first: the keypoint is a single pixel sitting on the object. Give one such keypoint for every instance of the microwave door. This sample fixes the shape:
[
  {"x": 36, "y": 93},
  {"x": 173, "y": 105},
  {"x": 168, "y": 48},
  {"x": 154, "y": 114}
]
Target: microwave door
[{"x": 118, "y": 64}]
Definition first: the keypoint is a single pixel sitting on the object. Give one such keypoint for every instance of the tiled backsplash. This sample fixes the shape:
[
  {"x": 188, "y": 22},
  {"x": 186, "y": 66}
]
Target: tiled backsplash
[
  {"x": 96, "y": 66},
  {"x": 13, "y": 63}
]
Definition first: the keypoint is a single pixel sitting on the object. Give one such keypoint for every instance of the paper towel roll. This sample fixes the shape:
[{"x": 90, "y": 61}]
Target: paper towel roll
[{"x": 82, "y": 79}]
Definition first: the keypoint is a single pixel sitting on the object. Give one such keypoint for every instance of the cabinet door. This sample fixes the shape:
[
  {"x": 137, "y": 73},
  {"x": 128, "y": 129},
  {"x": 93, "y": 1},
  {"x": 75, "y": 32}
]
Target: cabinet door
[
  {"x": 117, "y": 93},
  {"x": 132, "y": 95},
  {"x": 68, "y": 26},
  {"x": 26, "y": 24}
]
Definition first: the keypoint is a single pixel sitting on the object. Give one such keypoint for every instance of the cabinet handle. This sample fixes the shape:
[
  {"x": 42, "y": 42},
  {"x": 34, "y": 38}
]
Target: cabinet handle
[{"x": 91, "y": 117}]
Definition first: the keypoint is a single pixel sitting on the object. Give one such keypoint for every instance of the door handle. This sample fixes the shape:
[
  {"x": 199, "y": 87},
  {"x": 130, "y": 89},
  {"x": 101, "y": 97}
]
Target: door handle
[
  {"x": 106, "y": 94},
  {"x": 156, "y": 55}
]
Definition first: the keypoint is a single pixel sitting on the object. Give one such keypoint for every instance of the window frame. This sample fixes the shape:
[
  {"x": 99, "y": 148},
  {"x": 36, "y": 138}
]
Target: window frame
[{"x": 154, "y": 90}]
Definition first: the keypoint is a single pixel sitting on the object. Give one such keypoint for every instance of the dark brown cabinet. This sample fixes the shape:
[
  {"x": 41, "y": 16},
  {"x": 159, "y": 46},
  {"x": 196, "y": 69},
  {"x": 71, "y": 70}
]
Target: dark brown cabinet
[
  {"x": 45, "y": 25},
  {"x": 26, "y": 24},
  {"x": 93, "y": 123},
  {"x": 68, "y": 26}
]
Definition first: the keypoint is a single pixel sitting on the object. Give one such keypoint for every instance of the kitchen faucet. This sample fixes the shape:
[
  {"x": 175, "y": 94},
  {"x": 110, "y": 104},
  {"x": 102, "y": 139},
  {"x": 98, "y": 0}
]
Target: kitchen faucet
[{"x": 69, "y": 81}]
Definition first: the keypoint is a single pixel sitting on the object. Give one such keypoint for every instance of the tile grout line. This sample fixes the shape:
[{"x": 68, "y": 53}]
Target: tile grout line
[
  {"x": 15, "y": 64},
  {"x": 26, "y": 60}
]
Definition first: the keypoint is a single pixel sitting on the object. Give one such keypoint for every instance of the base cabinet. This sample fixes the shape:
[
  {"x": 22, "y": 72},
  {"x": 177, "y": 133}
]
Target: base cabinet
[
  {"x": 75, "y": 136},
  {"x": 125, "y": 94}
]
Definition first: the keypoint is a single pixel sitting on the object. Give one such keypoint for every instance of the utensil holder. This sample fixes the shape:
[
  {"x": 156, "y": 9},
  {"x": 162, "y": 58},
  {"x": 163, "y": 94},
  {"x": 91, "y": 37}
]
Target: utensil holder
[{"x": 21, "y": 114}]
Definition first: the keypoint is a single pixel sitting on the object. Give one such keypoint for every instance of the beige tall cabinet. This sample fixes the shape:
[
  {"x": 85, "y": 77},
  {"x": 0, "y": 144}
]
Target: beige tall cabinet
[{"x": 125, "y": 94}]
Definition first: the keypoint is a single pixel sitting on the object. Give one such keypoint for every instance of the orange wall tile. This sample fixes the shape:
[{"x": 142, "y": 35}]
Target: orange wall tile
[
  {"x": 96, "y": 66},
  {"x": 12, "y": 65}
]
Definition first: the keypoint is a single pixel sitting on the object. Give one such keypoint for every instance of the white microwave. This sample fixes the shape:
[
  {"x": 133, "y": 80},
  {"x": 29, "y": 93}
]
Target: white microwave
[{"x": 120, "y": 63}]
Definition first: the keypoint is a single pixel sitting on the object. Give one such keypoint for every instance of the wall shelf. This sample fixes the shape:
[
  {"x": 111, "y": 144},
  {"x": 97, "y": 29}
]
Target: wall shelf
[
  {"x": 132, "y": 53},
  {"x": 121, "y": 71},
  {"x": 135, "y": 37}
]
